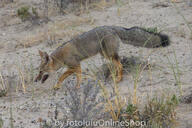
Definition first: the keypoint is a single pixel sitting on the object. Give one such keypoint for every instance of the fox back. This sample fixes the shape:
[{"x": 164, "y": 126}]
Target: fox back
[{"x": 105, "y": 40}]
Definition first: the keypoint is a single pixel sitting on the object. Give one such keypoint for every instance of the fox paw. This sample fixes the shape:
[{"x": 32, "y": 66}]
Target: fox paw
[
  {"x": 119, "y": 78},
  {"x": 77, "y": 86},
  {"x": 57, "y": 86}
]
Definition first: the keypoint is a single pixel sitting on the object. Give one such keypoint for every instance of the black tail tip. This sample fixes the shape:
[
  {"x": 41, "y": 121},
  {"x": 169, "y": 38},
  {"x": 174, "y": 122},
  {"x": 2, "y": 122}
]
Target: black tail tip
[{"x": 164, "y": 40}]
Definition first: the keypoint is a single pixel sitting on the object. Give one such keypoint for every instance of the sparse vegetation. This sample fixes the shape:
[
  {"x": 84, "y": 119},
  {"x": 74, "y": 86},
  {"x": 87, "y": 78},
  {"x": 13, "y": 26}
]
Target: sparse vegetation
[
  {"x": 152, "y": 29},
  {"x": 99, "y": 97},
  {"x": 3, "y": 93},
  {"x": 34, "y": 12},
  {"x": 1, "y": 122},
  {"x": 3, "y": 87},
  {"x": 82, "y": 105},
  {"x": 161, "y": 111},
  {"x": 4, "y": 2},
  {"x": 158, "y": 112},
  {"x": 77, "y": 5},
  {"x": 25, "y": 14},
  {"x": 174, "y": 66}
]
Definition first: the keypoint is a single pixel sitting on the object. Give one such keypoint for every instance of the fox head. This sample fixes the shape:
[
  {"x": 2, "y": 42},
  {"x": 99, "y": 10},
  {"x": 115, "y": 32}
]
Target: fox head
[{"x": 45, "y": 67}]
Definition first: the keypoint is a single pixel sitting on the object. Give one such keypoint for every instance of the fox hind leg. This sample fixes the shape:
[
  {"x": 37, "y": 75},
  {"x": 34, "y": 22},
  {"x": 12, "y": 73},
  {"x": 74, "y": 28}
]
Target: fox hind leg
[
  {"x": 109, "y": 49},
  {"x": 118, "y": 65}
]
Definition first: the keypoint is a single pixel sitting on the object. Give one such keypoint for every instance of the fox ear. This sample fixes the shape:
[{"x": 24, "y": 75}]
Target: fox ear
[
  {"x": 51, "y": 60},
  {"x": 41, "y": 53},
  {"x": 44, "y": 56}
]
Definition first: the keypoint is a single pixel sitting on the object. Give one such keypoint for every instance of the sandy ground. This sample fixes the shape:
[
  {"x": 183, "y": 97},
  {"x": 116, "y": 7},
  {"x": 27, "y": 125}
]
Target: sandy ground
[{"x": 20, "y": 42}]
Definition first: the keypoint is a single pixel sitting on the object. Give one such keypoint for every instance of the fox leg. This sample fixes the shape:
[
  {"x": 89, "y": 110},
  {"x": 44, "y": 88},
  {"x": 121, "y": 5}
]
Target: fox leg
[
  {"x": 117, "y": 63},
  {"x": 62, "y": 77},
  {"x": 78, "y": 74}
]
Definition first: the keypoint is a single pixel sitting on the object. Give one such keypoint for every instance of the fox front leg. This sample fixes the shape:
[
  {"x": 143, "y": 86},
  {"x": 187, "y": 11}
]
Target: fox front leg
[
  {"x": 70, "y": 71},
  {"x": 78, "y": 74},
  {"x": 62, "y": 77}
]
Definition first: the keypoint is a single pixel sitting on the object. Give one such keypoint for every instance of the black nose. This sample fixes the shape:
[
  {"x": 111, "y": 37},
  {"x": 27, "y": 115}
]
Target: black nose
[
  {"x": 45, "y": 77},
  {"x": 35, "y": 80}
]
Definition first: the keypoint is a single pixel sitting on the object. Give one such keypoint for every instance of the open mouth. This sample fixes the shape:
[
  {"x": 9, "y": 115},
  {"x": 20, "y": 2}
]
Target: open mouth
[
  {"x": 157, "y": 46},
  {"x": 45, "y": 77}
]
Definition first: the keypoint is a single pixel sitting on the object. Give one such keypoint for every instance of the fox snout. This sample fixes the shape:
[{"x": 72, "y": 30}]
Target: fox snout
[
  {"x": 41, "y": 77},
  {"x": 38, "y": 78},
  {"x": 35, "y": 80},
  {"x": 45, "y": 77}
]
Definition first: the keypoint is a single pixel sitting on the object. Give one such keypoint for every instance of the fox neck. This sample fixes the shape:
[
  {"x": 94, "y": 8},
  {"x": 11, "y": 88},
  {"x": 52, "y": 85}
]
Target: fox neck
[{"x": 54, "y": 65}]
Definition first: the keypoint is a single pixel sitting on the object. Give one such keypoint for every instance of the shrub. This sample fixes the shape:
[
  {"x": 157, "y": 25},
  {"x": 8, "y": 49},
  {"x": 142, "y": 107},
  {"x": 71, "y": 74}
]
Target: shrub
[
  {"x": 3, "y": 93},
  {"x": 152, "y": 29},
  {"x": 157, "y": 113},
  {"x": 161, "y": 111},
  {"x": 81, "y": 104},
  {"x": 3, "y": 87},
  {"x": 23, "y": 13},
  {"x": 34, "y": 12}
]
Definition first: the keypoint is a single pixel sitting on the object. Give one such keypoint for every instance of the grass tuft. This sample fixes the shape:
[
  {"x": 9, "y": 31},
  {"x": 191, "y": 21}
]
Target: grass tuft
[
  {"x": 3, "y": 87},
  {"x": 152, "y": 29},
  {"x": 23, "y": 13},
  {"x": 1, "y": 122},
  {"x": 158, "y": 112}
]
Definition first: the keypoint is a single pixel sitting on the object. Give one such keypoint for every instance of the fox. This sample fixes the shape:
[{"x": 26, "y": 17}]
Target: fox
[{"x": 103, "y": 40}]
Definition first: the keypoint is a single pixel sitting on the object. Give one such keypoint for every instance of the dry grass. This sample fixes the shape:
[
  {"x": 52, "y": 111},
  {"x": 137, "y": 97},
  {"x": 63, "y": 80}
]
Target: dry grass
[
  {"x": 1, "y": 122},
  {"x": 4, "y": 2},
  {"x": 3, "y": 87},
  {"x": 113, "y": 101},
  {"x": 158, "y": 111},
  {"x": 79, "y": 7}
]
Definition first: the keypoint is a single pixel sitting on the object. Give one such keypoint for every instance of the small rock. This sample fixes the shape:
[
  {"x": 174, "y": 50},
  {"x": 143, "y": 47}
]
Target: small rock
[{"x": 33, "y": 121}]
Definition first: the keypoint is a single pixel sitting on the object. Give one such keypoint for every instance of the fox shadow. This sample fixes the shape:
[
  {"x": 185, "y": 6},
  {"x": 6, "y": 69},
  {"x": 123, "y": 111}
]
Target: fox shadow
[{"x": 130, "y": 65}]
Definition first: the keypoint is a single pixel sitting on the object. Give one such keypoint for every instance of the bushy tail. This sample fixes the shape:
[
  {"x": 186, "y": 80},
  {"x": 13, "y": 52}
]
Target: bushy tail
[{"x": 140, "y": 37}]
